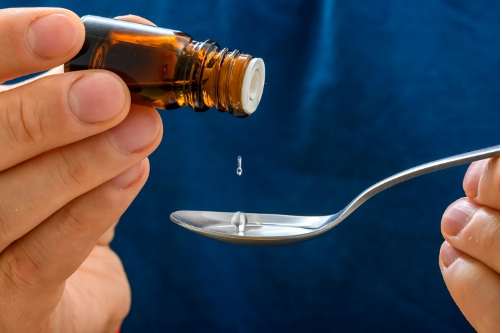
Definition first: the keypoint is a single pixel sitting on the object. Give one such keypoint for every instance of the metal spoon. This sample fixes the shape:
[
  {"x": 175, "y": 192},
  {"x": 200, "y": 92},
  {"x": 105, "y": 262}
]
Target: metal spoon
[{"x": 271, "y": 229}]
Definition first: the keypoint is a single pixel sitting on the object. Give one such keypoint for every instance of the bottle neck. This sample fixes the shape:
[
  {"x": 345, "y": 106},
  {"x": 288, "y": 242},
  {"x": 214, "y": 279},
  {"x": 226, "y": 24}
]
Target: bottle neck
[{"x": 216, "y": 78}]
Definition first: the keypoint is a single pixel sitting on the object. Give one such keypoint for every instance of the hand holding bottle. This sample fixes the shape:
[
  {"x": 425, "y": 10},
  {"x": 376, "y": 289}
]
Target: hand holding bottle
[{"x": 73, "y": 155}]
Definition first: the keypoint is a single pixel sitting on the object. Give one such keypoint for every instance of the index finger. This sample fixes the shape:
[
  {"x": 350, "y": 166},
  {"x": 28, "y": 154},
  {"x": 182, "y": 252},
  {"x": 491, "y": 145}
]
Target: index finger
[
  {"x": 37, "y": 39},
  {"x": 482, "y": 182}
]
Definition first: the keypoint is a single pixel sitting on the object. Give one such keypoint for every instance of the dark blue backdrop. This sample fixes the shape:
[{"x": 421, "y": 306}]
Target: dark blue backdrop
[{"x": 355, "y": 91}]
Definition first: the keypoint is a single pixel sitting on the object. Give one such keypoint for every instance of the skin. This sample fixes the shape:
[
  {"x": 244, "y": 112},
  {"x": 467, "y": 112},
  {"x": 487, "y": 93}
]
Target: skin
[
  {"x": 74, "y": 156},
  {"x": 470, "y": 256}
]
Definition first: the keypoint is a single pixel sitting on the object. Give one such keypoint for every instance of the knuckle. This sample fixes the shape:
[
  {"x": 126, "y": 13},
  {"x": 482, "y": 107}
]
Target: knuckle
[
  {"x": 71, "y": 223},
  {"x": 21, "y": 121},
  {"x": 482, "y": 236},
  {"x": 491, "y": 242},
  {"x": 7, "y": 219},
  {"x": 110, "y": 201},
  {"x": 20, "y": 269},
  {"x": 4, "y": 233},
  {"x": 69, "y": 170}
]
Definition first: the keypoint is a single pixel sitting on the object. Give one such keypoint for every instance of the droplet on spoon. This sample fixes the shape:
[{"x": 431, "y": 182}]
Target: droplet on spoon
[
  {"x": 239, "y": 165},
  {"x": 239, "y": 220}
]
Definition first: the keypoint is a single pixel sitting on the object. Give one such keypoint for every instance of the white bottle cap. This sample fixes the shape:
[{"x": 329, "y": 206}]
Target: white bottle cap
[{"x": 252, "y": 85}]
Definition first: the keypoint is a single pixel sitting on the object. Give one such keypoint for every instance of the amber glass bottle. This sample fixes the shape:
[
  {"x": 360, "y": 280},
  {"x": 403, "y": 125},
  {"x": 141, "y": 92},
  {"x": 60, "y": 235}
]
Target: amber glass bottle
[{"x": 167, "y": 69}]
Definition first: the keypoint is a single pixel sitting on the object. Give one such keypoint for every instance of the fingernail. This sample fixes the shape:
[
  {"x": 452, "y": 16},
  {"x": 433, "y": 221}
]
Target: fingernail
[
  {"x": 448, "y": 254},
  {"x": 128, "y": 177},
  {"x": 97, "y": 97},
  {"x": 472, "y": 177},
  {"x": 457, "y": 215},
  {"x": 136, "y": 131},
  {"x": 52, "y": 35}
]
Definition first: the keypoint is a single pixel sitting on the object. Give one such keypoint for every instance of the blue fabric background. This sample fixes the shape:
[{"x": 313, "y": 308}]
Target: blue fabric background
[{"x": 355, "y": 91}]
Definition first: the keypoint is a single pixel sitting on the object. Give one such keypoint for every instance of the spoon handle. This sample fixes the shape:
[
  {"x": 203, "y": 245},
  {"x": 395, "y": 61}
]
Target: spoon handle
[{"x": 420, "y": 170}]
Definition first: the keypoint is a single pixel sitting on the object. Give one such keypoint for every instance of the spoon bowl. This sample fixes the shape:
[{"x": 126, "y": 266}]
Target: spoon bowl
[
  {"x": 260, "y": 229},
  {"x": 273, "y": 229}
]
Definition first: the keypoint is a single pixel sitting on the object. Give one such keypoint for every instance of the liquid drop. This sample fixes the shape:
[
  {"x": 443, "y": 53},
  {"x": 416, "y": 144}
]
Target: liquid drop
[{"x": 239, "y": 165}]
